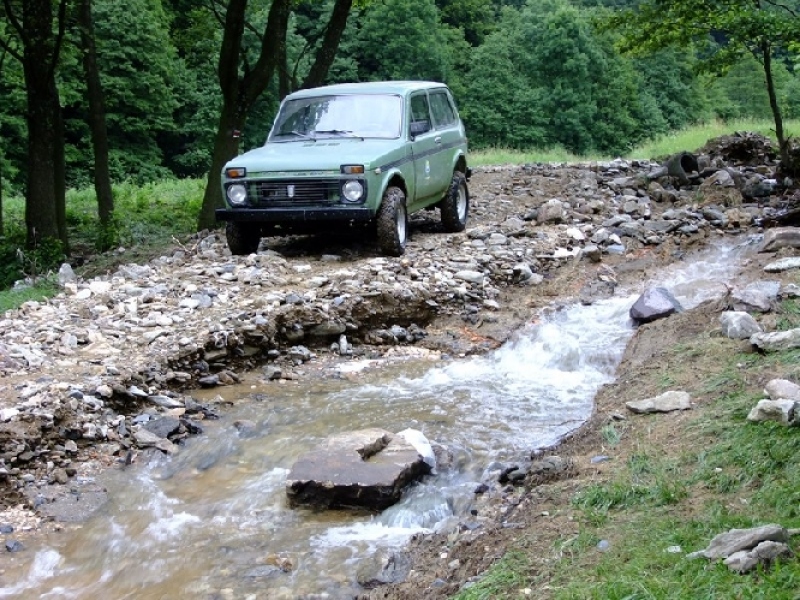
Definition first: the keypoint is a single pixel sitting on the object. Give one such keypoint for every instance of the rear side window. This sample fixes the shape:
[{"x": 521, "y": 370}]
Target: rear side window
[
  {"x": 442, "y": 109},
  {"x": 419, "y": 111}
]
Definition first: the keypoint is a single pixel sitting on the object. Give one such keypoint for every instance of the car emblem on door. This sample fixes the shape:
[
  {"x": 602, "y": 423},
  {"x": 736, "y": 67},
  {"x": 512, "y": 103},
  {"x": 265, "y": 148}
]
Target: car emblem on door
[{"x": 290, "y": 191}]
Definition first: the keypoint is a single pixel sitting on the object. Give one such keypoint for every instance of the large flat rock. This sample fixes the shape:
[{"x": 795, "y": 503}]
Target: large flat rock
[{"x": 367, "y": 468}]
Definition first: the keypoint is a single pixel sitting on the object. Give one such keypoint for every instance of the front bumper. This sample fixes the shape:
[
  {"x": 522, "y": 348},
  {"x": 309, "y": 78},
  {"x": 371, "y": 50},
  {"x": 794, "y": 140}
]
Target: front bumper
[{"x": 295, "y": 215}]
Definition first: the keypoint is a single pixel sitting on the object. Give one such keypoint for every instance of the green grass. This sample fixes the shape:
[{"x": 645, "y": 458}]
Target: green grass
[
  {"x": 689, "y": 139},
  {"x": 508, "y": 156},
  {"x": 507, "y": 576},
  {"x": 693, "y": 138},
  {"x": 739, "y": 474},
  {"x": 15, "y": 298},
  {"x": 147, "y": 216}
]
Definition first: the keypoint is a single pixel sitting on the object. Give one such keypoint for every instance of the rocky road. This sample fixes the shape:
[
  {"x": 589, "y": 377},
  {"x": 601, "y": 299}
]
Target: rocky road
[{"x": 106, "y": 368}]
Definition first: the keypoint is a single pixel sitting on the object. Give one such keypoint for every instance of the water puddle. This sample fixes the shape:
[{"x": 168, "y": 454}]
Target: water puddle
[{"x": 212, "y": 521}]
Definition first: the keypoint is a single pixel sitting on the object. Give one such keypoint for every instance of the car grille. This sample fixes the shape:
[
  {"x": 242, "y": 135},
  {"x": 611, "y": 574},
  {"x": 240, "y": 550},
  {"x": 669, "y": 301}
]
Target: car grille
[{"x": 294, "y": 192}]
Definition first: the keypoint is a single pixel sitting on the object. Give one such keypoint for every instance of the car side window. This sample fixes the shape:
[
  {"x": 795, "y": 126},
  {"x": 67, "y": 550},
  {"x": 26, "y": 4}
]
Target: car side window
[
  {"x": 420, "y": 115},
  {"x": 442, "y": 109}
]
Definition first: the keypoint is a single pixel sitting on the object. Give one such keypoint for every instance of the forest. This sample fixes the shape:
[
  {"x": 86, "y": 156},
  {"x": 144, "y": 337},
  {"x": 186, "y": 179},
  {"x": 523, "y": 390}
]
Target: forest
[{"x": 95, "y": 92}]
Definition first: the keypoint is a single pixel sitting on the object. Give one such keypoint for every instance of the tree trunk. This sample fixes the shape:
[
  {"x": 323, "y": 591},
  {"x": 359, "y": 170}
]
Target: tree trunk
[
  {"x": 225, "y": 148},
  {"x": 239, "y": 94},
  {"x": 97, "y": 125},
  {"x": 38, "y": 62},
  {"x": 783, "y": 143},
  {"x": 330, "y": 44}
]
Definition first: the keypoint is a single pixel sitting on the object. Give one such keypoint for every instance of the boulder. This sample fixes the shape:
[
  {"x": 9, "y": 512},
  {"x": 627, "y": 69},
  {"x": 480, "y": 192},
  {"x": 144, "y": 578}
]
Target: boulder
[
  {"x": 666, "y": 402},
  {"x": 738, "y": 325},
  {"x": 367, "y": 468},
  {"x": 764, "y": 554},
  {"x": 776, "y": 341},
  {"x": 734, "y": 540},
  {"x": 782, "y": 388},
  {"x": 655, "y": 303},
  {"x": 780, "y": 237},
  {"x": 783, "y": 411},
  {"x": 784, "y": 264},
  {"x": 551, "y": 211}
]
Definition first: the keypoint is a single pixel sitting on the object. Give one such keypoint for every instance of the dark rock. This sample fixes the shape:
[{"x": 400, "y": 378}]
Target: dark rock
[
  {"x": 655, "y": 303},
  {"x": 264, "y": 571},
  {"x": 780, "y": 237},
  {"x": 505, "y": 473},
  {"x": 209, "y": 381},
  {"x": 360, "y": 469},
  {"x": 14, "y": 546},
  {"x": 163, "y": 427},
  {"x": 5, "y": 529},
  {"x": 193, "y": 427},
  {"x": 383, "y": 568},
  {"x": 246, "y": 428}
]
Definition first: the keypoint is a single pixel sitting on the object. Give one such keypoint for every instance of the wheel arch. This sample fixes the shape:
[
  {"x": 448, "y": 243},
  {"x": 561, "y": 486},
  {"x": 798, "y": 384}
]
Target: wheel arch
[
  {"x": 460, "y": 163},
  {"x": 394, "y": 179}
]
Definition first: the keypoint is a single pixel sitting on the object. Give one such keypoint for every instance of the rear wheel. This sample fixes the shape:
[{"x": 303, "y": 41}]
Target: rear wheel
[
  {"x": 243, "y": 238},
  {"x": 392, "y": 222},
  {"x": 455, "y": 205}
]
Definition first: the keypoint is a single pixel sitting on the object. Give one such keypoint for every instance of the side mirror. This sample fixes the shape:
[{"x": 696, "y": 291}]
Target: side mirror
[{"x": 420, "y": 127}]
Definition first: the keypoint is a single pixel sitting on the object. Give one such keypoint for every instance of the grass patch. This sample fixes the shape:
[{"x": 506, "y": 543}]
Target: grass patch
[
  {"x": 670, "y": 499},
  {"x": 508, "y": 156},
  {"x": 695, "y": 137},
  {"x": 147, "y": 216},
  {"x": 504, "y": 580},
  {"x": 690, "y": 139},
  {"x": 15, "y": 298}
]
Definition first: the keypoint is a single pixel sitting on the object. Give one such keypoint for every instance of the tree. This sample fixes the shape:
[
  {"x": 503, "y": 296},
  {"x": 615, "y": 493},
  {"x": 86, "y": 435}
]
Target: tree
[
  {"x": 97, "y": 125},
  {"x": 38, "y": 32},
  {"x": 403, "y": 39},
  {"x": 544, "y": 78},
  {"x": 242, "y": 83},
  {"x": 762, "y": 28}
]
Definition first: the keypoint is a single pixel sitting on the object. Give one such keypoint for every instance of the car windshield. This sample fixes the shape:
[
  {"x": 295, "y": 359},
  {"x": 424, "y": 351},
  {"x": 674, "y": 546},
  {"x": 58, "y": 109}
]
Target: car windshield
[{"x": 351, "y": 115}]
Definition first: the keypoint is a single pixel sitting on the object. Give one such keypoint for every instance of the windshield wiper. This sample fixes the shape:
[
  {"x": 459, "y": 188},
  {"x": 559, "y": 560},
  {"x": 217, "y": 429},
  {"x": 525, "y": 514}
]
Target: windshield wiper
[
  {"x": 344, "y": 132},
  {"x": 298, "y": 134}
]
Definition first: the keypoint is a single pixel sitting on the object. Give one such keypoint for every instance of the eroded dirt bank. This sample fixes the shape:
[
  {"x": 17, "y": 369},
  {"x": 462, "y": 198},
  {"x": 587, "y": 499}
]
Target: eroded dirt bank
[{"x": 78, "y": 370}]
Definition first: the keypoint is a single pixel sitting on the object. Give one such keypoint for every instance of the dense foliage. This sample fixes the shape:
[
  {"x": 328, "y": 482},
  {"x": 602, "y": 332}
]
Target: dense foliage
[{"x": 177, "y": 77}]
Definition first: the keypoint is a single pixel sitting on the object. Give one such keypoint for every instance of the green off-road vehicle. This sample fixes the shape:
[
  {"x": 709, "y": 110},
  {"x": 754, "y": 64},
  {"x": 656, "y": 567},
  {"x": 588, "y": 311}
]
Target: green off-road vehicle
[{"x": 347, "y": 155}]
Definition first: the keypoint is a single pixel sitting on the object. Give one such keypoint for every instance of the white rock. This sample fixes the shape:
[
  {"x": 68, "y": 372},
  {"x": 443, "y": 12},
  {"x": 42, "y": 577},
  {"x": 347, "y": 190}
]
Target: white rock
[
  {"x": 777, "y": 389},
  {"x": 100, "y": 287},
  {"x": 6, "y": 414},
  {"x": 784, "y": 264},
  {"x": 782, "y": 411},
  {"x": 666, "y": 402},
  {"x": 417, "y": 439}
]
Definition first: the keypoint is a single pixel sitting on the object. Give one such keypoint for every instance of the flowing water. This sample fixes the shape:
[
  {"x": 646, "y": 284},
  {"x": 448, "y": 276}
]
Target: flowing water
[{"x": 212, "y": 521}]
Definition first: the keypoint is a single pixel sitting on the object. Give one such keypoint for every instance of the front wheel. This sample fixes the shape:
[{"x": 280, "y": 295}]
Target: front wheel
[
  {"x": 454, "y": 207},
  {"x": 392, "y": 222},
  {"x": 243, "y": 238}
]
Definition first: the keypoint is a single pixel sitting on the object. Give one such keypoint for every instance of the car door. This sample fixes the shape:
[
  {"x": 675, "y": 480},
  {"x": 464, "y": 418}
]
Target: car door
[
  {"x": 425, "y": 143},
  {"x": 448, "y": 137}
]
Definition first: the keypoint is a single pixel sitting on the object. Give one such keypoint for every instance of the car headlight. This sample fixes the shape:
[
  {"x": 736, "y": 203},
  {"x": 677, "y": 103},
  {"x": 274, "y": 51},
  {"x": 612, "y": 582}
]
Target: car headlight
[
  {"x": 353, "y": 190},
  {"x": 237, "y": 194}
]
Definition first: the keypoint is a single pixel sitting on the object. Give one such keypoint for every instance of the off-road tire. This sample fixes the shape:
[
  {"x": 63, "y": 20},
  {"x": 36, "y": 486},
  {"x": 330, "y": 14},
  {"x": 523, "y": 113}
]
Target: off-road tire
[
  {"x": 243, "y": 238},
  {"x": 392, "y": 222},
  {"x": 454, "y": 207}
]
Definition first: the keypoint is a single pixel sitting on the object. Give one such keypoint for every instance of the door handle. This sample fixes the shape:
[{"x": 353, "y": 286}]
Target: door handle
[{"x": 438, "y": 139}]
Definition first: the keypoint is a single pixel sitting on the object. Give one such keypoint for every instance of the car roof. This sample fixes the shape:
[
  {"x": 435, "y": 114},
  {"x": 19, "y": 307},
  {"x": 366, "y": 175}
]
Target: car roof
[{"x": 372, "y": 87}]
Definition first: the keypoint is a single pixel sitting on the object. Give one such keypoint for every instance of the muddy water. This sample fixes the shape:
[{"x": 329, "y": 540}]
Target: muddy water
[{"x": 212, "y": 521}]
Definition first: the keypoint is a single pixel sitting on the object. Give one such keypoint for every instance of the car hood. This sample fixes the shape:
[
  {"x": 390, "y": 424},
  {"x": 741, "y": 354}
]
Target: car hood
[{"x": 326, "y": 154}]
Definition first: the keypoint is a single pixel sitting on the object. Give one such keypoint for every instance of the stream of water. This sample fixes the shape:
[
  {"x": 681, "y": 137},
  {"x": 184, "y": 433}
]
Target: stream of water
[{"x": 212, "y": 521}]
